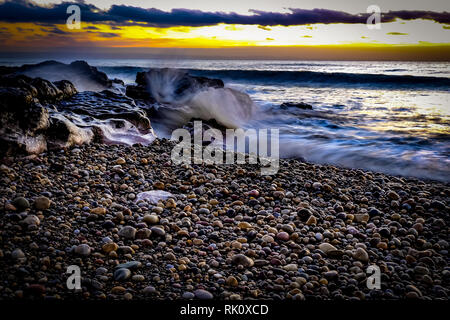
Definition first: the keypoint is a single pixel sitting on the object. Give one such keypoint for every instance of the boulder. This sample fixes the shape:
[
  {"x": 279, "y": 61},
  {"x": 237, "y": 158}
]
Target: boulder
[
  {"x": 298, "y": 105},
  {"x": 24, "y": 121},
  {"x": 80, "y": 73}
]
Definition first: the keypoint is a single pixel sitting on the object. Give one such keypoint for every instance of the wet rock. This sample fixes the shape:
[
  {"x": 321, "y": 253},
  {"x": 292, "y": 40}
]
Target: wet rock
[
  {"x": 157, "y": 231},
  {"x": 83, "y": 249},
  {"x": 21, "y": 203},
  {"x": 128, "y": 232},
  {"x": 42, "y": 203},
  {"x": 361, "y": 255},
  {"x": 203, "y": 294},
  {"x": 122, "y": 274},
  {"x": 18, "y": 254},
  {"x": 298, "y": 105},
  {"x": 83, "y": 76},
  {"x": 240, "y": 259}
]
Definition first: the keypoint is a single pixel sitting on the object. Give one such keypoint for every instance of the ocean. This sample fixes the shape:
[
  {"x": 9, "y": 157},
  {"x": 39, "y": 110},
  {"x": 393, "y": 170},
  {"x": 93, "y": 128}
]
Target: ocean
[{"x": 390, "y": 117}]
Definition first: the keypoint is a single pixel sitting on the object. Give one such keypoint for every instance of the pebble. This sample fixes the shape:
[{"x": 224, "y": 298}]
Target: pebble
[
  {"x": 118, "y": 290},
  {"x": 83, "y": 249},
  {"x": 361, "y": 255},
  {"x": 232, "y": 281},
  {"x": 32, "y": 220},
  {"x": 21, "y": 203},
  {"x": 311, "y": 220},
  {"x": 132, "y": 265},
  {"x": 244, "y": 225},
  {"x": 122, "y": 274},
  {"x": 151, "y": 219},
  {"x": 138, "y": 278},
  {"x": 291, "y": 267},
  {"x": 42, "y": 203},
  {"x": 17, "y": 254},
  {"x": 149, "y": 290},
  {"x": 240, "y": 259},
  {"x": 203, "y": 294},
  {"x": 327, "y": 248},
  {"x": 362, "y": 217},
  {"x": 188, "y": 295},
  {"x": 99, "y": 210},
  {"x": 158, "y": 231},
  {"x": 284, "y": 236},
  {"x": 128, "y": 232},
  {"x": 108, "y": 247},
  {"x": 393, "y": 195}
]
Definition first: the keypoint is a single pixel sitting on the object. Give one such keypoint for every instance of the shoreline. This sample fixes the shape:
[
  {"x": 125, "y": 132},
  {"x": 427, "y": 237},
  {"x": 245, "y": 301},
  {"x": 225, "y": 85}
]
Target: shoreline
[{"x": 307, "y": 232}]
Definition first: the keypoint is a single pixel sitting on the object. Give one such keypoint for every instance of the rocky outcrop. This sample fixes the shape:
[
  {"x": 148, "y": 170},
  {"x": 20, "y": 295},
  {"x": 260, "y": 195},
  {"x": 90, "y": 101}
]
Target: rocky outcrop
[
  {"x": 24, "y": 120},
  {"x": 183, "y": 82},
  {"x": 298, "y": 105},
  {"x": 139, "y": 93},
  {"x": 80, "y": 73},
  {"x": 106, "y": 105}
]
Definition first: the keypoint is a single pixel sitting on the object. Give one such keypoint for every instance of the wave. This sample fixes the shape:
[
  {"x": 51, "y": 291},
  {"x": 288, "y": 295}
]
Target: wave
[
  {"x": 332, "y": 79},
  {"x": 308, "y": 78},
  {"x": 186, "y": 99}
]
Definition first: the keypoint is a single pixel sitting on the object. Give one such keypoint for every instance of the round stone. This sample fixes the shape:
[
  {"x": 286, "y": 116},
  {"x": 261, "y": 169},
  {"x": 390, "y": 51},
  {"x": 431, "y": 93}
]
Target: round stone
[
  {"x": 21, "y": 203},
  {"x": 244, "y": 225},
  {"x": 203, "y": 294},
  {"x": 291, "y": 267},
  {"x": 149, "y": 290},
  {"x": 151, "y": 218},
  {"x": 108, "y": 247},
  {"x": 42, "y": 203},
  {"x": 284, "y": 236},
  {"x": 188, "y": 295},
  {"x": 122, "y": 274},
  {"x": 231, "y": 281},
  {"x": 83, "y": 249},
  {"x": 138, "y": 278},
  {"x": 99, "y": 210},
  {"x": 132, "y": 265},
  {"x": 267, "y": 238},
  {"x": 32, "y": 220},
  {"x": 241, "y": 259},
  {"x": 311, "y": 220},
  {"x": 158, "y": 231},
  {"x": 128, "y": 232},
  {"x": 17, "y": 254},
  {"x": 361, "y": 255}
]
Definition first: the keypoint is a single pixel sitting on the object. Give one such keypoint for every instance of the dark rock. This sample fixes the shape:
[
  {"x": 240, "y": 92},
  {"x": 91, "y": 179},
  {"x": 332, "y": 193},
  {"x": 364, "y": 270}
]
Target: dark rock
[
  {"x": 299, "y": 105},
  {"x": 24, "y": 121},
  {"x": 106, "y": 105},
  {"x": 183, "y": 82},
  {"x": 139, "y": 92},
  {"x": 80, "y": 73},
  {"x": 122, "y": 274},
  {"x": 66, "y": 87}
]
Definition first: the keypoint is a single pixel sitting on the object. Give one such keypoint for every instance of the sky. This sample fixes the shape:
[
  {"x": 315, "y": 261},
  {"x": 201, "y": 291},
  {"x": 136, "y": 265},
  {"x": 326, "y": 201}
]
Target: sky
[{"x": 264, "y": 29}]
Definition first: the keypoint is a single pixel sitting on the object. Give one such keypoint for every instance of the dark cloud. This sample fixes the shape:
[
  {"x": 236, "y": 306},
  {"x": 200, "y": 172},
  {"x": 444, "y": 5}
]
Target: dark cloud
[
  {"x": 56, "y": 30},
  {"x": 107, "y": 35},
  {"x": 25, "y": 11}
]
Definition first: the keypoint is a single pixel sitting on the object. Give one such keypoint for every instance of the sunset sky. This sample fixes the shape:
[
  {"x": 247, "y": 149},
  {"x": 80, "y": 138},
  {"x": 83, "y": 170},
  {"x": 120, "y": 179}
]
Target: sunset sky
[{"x": 282, "y": 29}]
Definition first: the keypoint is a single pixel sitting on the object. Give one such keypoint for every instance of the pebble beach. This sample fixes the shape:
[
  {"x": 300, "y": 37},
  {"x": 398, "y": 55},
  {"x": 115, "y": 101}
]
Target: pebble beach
[{"x": 224, "y": 232}]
